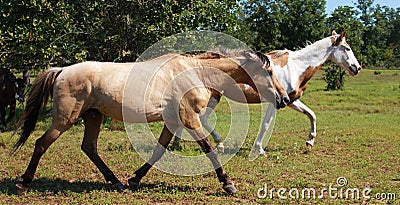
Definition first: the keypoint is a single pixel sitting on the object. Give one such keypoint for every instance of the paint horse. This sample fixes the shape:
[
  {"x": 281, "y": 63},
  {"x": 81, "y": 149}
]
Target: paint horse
[
  {"x": 294, "y": 69},
  {"x": 174, "y": 88},
  {"x": 11, "y": 90}
]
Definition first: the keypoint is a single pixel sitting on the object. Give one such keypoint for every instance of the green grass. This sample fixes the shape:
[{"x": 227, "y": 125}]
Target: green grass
[{"x": 358, "y": 137}]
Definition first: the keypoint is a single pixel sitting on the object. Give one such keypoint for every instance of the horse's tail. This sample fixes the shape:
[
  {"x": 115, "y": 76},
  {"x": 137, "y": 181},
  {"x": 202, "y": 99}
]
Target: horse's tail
[{"x": 38, "y": 97}]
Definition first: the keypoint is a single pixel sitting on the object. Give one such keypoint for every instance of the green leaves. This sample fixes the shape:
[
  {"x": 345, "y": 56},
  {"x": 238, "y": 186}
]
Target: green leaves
[
  {"x": 38, "y": 34},
  {"x": 334, "y": 77}
]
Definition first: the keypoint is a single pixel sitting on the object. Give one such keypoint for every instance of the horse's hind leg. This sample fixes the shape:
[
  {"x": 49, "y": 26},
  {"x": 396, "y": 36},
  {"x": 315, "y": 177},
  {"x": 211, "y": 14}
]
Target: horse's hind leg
[
  {"x": 41, "y": 146},
  {"x": 93, "y": 120},
  {"x": 163, "y": 141}
]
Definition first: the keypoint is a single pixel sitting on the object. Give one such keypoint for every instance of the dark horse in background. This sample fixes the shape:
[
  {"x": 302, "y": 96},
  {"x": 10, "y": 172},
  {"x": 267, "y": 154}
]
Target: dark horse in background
[{"x": 11, "y": 90}]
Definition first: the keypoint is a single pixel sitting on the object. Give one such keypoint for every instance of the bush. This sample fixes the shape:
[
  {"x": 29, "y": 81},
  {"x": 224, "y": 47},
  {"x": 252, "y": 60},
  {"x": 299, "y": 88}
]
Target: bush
[{"x": 334, "y": 77}]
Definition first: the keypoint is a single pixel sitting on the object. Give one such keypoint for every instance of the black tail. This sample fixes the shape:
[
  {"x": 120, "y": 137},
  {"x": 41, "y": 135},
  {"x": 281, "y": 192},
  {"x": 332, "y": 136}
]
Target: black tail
[{"x": 39, "y": 94}]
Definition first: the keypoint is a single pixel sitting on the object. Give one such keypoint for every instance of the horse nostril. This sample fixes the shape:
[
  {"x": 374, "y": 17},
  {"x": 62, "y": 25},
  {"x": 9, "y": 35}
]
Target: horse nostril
[{"x": 286, "y": 99}]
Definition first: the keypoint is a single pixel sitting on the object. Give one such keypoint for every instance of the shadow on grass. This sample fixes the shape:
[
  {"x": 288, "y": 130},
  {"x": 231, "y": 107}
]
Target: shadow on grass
[
  {"x": 56, "y": 186},
  {"x": 163, "y": 188},
  {"x": 167, "y": 189},
  {"x": 7, "y": 186}
]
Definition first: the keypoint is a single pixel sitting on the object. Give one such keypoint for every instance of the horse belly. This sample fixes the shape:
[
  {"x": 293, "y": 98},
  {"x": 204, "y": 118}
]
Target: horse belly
[{"x": 131, "y": 109}]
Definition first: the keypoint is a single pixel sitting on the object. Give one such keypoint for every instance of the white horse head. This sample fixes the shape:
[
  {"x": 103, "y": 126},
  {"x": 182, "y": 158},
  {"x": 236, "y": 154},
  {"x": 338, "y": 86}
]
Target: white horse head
[{"x": 343, "y": 54}]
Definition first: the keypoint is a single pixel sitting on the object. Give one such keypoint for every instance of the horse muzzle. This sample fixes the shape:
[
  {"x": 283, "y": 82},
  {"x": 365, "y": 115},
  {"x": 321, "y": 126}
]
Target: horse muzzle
[{"x": 354, "y": 70}]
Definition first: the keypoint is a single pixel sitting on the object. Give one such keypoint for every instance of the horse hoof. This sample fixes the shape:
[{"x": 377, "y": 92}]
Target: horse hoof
[
  {"x": 133, "y": 184},
  {"x": 308, "y": 149},
  {"x": 261, "y": 152},
  {"x": 230, "y": 189},
  {"x": 309, "y": 146},
  {"x": 118, "y": 187},
  {"x": 21, "y": 189}
]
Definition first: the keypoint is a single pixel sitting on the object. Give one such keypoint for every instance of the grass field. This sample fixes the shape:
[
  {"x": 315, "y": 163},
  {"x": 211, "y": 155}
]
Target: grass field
[{"x": 358, "y": 138}]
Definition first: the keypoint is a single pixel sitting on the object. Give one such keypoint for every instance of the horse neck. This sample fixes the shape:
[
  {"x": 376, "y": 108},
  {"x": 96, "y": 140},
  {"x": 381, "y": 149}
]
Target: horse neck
[
  {"x": 224, "y": 65},
  {"x": 313, "y": 55}
]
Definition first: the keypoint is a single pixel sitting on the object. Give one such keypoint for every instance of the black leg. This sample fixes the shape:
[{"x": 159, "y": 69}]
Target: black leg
[
  {"x": 163, "y": 141},
  {"x": 228, "y": 184},
  {"x": 93, "y": 120}
]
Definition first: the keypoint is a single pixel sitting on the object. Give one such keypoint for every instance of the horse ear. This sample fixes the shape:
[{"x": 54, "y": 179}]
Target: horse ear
[
  {"x": 333, "y": 38},
  {"x": 337, "y": 41},
  {"x": 341, "y": 37},
  {"x": 343, "y": 34}
]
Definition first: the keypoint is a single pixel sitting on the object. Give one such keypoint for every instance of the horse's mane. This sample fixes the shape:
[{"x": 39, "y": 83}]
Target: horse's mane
[
  {"x": 227, "y": 53},
  {"x": 278, "y": 53},
  {"x": 218, "y": 53}
]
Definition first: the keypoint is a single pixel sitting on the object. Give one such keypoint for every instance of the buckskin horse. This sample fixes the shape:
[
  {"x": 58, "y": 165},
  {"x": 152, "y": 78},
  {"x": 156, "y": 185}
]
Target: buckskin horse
[{"x": 174, "y": 88}]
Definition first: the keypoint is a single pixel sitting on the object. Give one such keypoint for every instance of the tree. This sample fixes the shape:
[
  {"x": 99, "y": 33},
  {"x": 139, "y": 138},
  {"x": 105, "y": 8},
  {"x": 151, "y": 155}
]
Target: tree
[
  {"x": 285, "y": 23},
  {"x": 377, "y": 28},
  {"x": 37, "y": 34},
  {"x": 392, "y": 53},
  {"x": 345, "y": 18}
]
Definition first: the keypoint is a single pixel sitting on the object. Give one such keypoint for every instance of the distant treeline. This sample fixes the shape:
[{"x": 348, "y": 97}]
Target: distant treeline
[{"x": 38, "y": 34}]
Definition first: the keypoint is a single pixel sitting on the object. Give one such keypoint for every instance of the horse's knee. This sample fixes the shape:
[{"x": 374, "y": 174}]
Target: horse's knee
[
  {"x": 89, "y": 144},
  {"x": 311, "y": 115},
  {"x": 87, "y": 148},
  {"x": 43, "y": 143}
]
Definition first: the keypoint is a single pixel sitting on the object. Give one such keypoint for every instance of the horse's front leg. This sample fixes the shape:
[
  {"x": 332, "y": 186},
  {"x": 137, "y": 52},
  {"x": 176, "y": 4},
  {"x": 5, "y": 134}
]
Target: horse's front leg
[
  {"x": 163, "y": 141},
  {"x": 212, "y": 103},
  {"x": 177, "y": 139},
  {"x": 268, "y": 119},
  {"x": 190, "y": 109},
  {"x": 300, "y": 107},
  {"x": 204, "y": 142}
]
